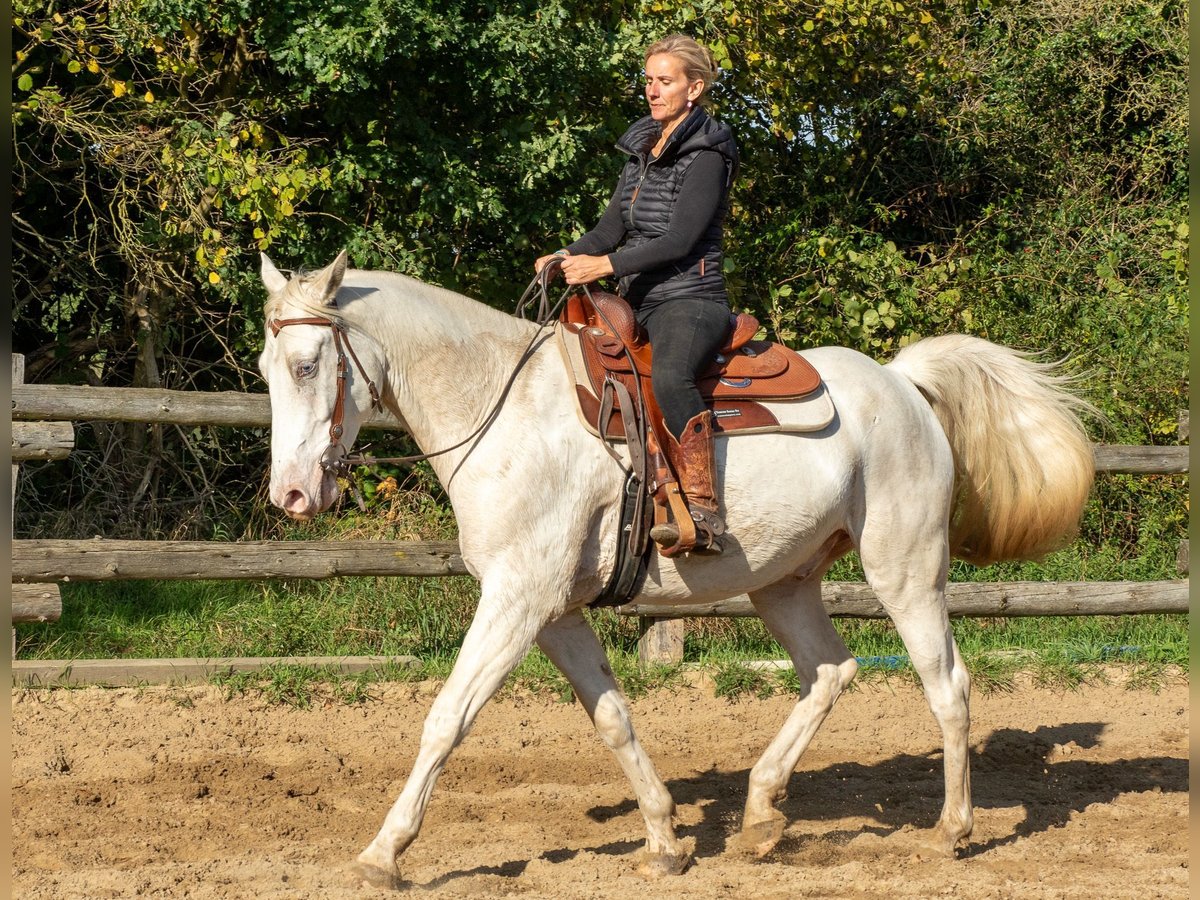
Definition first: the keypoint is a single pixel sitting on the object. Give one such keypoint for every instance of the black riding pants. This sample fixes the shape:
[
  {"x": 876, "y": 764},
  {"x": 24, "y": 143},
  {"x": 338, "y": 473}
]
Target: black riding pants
[{"x": 685, "y": 334}]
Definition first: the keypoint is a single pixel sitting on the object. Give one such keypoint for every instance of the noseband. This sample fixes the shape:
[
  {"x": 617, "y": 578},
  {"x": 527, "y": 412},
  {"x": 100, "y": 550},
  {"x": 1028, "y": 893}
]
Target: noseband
[{"x": 335, "y": 459}]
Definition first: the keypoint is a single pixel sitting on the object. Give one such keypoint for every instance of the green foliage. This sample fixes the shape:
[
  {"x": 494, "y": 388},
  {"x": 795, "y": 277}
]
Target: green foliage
[{"x": 1007, "y": 169}]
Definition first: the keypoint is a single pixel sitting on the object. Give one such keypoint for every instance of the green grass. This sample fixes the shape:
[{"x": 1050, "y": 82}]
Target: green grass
[{"x": 427, "y": 618}]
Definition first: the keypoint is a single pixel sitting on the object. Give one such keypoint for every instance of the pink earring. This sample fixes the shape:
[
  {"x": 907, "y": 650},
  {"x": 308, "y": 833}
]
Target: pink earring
[{"x": 689, "y": 104}]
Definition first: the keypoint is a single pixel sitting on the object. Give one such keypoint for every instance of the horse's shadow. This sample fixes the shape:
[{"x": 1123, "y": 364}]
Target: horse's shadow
[{"x": 1013, "y": 768}]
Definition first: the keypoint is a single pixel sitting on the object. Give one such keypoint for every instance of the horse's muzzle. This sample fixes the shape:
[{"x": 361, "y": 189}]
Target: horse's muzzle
[{"x": 302, "y": 503}]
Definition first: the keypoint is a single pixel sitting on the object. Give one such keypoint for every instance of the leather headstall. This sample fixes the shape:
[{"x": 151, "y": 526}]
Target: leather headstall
[{"x": 335, "y": 459}]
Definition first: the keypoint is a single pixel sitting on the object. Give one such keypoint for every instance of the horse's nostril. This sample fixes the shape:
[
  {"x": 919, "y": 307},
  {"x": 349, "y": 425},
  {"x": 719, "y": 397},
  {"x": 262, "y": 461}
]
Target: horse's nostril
[{"x": 295, "y": 501}]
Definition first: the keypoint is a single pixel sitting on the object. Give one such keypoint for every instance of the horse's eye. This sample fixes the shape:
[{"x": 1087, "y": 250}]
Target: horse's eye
[{"x": 306, "y": 369}]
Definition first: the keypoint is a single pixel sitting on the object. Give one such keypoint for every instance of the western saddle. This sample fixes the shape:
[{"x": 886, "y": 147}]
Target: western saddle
[{"x": 612, "y": 362}]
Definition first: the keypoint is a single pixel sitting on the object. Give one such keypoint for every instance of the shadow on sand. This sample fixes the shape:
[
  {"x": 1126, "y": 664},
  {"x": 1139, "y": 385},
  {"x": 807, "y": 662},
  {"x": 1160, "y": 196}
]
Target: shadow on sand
[{"x": 1013, "y": 768}]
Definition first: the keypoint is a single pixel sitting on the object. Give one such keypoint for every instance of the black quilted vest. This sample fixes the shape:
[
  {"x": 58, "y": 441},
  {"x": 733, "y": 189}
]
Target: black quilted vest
[{"x": 651, "y": 187}]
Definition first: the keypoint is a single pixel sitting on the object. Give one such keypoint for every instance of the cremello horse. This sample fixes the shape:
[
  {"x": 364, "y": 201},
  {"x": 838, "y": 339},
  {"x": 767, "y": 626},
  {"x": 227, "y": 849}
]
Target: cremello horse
[{"x": 957, "y": 447}]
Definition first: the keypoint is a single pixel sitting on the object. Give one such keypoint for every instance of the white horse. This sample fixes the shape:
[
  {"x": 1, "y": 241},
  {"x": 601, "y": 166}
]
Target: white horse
[{"x": 957, "y": 447}]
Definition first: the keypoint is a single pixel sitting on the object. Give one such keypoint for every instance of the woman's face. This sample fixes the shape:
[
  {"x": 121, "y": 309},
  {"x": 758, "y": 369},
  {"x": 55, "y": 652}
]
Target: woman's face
[{"x": 667, "y": 88}]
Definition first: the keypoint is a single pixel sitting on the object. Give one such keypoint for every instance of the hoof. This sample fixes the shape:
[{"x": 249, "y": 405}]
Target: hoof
[
  {"x": 656, "y": 865},
  {"x": 760, "y": 838},
  {"x": 934, "y": 844},
  {"x": 364, "y": 873}
]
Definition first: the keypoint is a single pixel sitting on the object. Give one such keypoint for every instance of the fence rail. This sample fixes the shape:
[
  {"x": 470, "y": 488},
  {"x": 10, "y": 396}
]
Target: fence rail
[
  {"x": 106, "y": 560},
  {"x": 72, "y": 403},
  {"x": 42, "y": 561},
  {"x": 59, "y": 403}
]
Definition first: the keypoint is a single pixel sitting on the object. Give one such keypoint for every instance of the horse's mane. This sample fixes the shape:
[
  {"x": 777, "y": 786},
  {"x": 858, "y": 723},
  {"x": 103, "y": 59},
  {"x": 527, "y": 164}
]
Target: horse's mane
[{"x": 440, "y": 303}]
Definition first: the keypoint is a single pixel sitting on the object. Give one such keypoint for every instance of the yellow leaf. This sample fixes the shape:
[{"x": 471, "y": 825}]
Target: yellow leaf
[
  {"x": 214, "y": 278},
  {"x": 119, "y": 88},
  {"x": 926, "y": 18},
  {"x": 149, "y": 97},
  {"x": 93, "y": 66}
]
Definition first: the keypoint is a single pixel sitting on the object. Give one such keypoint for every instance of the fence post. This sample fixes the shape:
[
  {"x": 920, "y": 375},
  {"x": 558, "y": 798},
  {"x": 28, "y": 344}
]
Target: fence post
[
  {"x": 660, "y": 641},
  {"x": 18, "y": 377},
  {"x": 1181, "y": 557}
]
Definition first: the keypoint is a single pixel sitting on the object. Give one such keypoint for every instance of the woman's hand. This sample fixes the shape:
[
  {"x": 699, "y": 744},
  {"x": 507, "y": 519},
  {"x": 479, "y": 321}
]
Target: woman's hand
[
  {"x": 540, "y": 262},
  {"x": 584, "y": 269}
]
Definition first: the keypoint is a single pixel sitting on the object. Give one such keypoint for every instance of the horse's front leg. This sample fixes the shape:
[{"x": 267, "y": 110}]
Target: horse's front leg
[
  {"x": 571, "y": 644},
  {"x": 503, "y": 629}
]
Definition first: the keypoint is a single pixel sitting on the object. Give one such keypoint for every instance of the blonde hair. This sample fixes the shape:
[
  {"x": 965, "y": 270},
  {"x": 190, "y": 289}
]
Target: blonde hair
[{"x": 698, "y": 62}]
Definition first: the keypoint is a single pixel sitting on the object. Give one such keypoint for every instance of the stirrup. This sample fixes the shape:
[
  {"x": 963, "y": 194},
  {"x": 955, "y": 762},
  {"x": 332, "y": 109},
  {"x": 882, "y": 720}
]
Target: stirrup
[{"x": 709, "y": 528}]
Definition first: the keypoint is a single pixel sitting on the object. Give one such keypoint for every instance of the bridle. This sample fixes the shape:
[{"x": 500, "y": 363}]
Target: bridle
[{"x": 335, "y": 459}]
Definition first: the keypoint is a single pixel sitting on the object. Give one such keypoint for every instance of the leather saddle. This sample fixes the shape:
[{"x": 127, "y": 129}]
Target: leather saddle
[{"x": 612, "y": 345}]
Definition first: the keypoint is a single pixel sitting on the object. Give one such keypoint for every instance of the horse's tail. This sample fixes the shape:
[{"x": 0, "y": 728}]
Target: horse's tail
[{"x": 1023, "y": 463}]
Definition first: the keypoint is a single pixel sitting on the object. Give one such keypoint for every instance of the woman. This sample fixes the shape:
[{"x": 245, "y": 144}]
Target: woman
[{"x": 666, "y": 215}]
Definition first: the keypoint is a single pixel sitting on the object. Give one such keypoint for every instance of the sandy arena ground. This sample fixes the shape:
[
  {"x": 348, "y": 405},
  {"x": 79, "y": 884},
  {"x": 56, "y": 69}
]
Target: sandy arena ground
[{"x": 177, "y": 792}]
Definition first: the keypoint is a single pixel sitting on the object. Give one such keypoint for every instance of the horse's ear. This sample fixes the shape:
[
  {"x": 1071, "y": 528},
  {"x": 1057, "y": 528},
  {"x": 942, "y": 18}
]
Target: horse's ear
[
  {"x": 272, "y": 278},
  {"x": 324, "y": 285}
]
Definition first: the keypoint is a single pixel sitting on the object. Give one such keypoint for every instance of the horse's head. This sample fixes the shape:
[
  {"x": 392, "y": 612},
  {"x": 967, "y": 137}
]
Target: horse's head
[{"x": 321, "y": 389}]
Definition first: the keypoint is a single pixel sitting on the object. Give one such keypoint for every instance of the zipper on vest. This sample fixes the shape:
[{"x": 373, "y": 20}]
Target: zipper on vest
[{"x": 637, "y": 187}]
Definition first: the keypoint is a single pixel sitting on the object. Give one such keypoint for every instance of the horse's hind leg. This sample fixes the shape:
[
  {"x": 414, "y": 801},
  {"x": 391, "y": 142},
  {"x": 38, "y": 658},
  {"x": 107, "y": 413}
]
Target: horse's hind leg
[
  {"x": 793, "y": 612},
  {"x": 910, "y": 582},
  {"x": 571, "y": 645}
]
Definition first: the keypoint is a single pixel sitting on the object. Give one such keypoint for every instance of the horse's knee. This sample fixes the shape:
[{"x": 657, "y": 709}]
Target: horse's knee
[
  {"x": 612, "y": 721},
  {"x": 443, "y": 729},
  {"x": 950, "y": 701}
]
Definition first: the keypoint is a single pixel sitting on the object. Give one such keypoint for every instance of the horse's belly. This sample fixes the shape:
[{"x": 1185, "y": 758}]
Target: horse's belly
[{"x": 783, "y": 496}]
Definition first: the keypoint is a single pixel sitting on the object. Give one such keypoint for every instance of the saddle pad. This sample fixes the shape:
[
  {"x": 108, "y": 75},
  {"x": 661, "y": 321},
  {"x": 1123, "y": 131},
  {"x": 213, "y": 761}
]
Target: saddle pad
[{"x": 731, "y": 414}]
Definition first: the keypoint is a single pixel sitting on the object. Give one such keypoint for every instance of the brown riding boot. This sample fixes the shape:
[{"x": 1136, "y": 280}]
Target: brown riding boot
[{"x": 695, "y": 462}]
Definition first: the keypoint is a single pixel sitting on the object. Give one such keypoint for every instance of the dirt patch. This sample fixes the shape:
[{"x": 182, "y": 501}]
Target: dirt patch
[{"x": 176, "y": 792}]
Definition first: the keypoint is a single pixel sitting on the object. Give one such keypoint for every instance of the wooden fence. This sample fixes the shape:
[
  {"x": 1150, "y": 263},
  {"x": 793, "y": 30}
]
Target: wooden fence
[{"x": 42, "y": 429}]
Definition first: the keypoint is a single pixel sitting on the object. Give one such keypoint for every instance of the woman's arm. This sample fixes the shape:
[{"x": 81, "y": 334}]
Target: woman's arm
[{"x": 609, "y": 231}]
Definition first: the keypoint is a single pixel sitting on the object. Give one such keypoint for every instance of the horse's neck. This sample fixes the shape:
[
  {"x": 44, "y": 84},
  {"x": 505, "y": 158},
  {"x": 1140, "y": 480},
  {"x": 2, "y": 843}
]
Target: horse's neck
[{"x": 448, "y": 357}]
